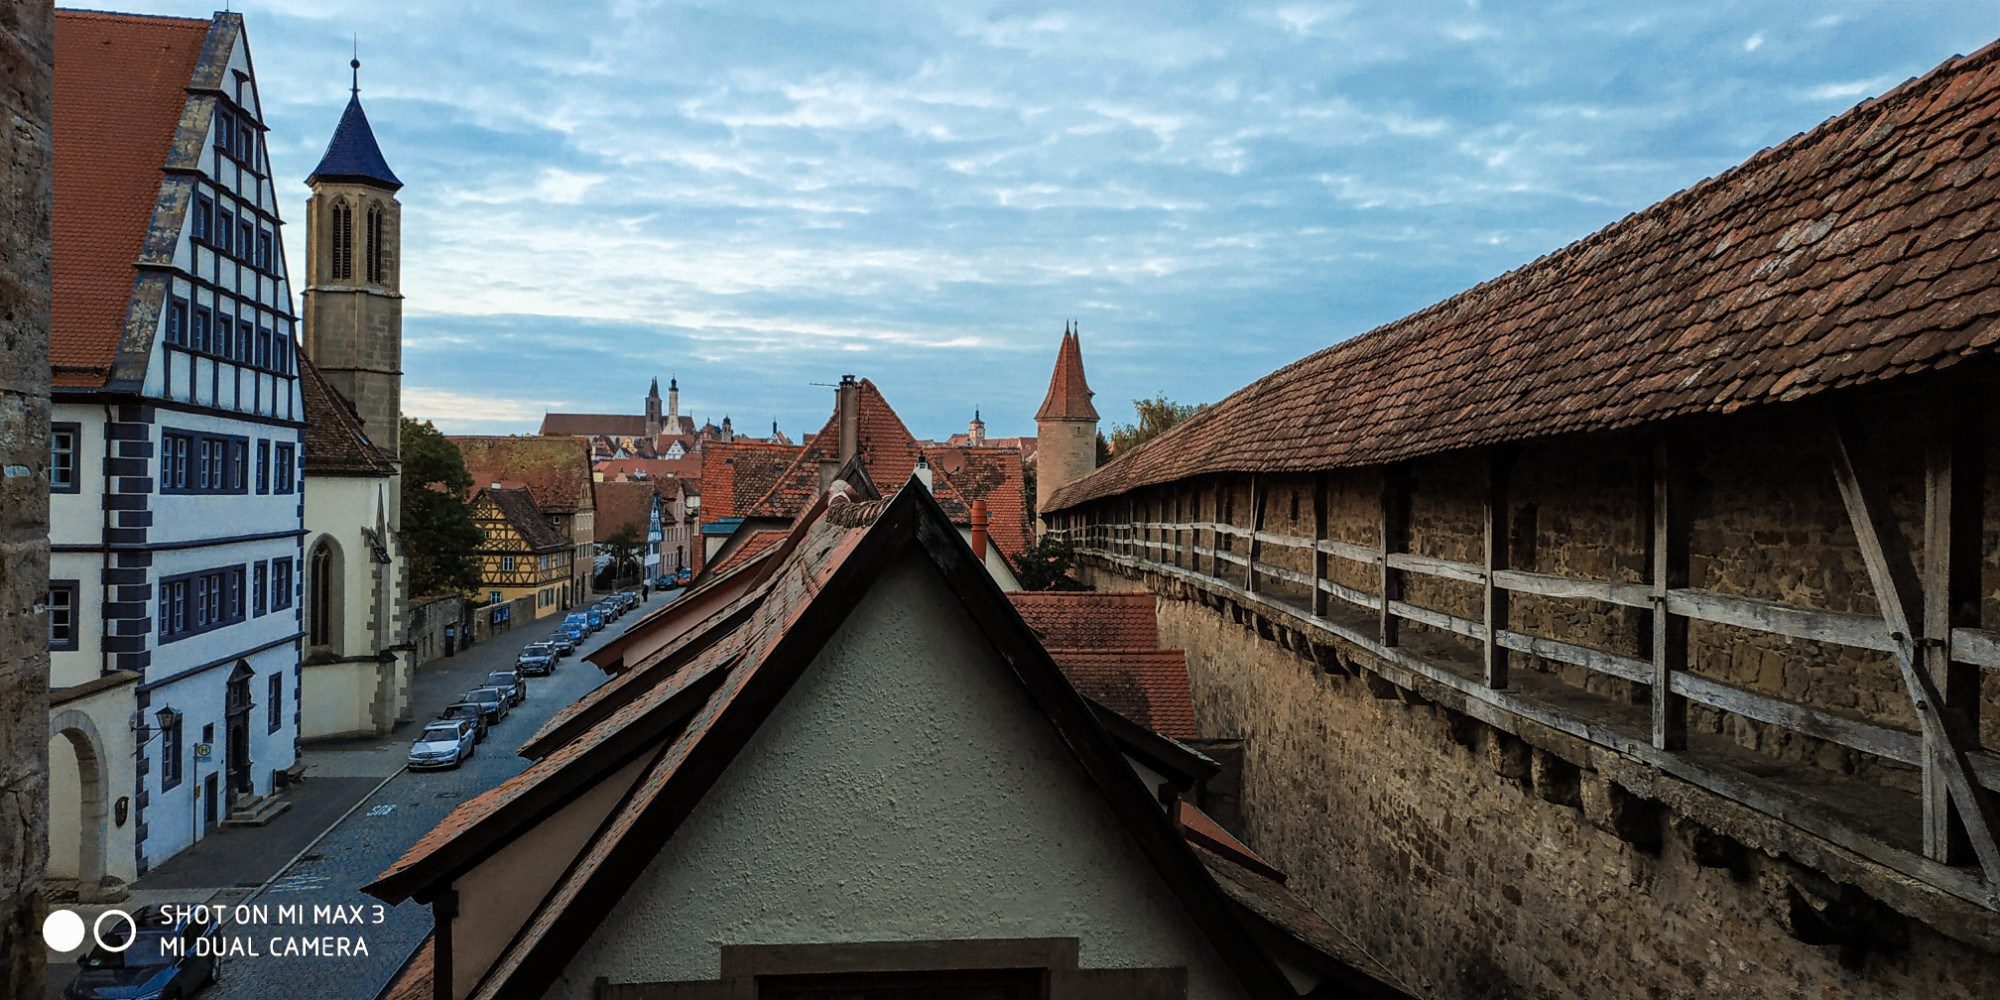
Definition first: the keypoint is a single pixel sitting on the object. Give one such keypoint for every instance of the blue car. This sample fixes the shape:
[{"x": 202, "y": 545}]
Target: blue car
[
  {"x": 596, "y": 619},
  {"x": 160, "y": 962}
]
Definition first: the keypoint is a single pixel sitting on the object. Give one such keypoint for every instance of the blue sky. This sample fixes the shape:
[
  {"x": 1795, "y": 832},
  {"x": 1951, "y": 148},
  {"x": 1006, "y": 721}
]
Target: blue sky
[{"x": 759, "y": 196}]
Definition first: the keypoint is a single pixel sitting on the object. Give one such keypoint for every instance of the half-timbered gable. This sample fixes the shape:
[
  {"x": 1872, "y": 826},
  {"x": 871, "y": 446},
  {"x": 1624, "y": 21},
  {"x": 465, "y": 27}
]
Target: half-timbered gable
[{"x": 520, "y": 554}]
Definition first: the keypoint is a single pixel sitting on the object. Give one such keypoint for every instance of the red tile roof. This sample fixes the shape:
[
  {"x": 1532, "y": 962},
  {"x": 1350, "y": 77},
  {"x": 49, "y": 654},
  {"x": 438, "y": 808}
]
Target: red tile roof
[
  {"x": 1863, "y": 251},
  {"x": 335, "y": 443},
  {"x": 1088, "y": 619},
  {"x": 1148, "y": 686},
  {"x": 418, "y": 980},
  {"x": 555, "y": 470},
  {"x": 620, "y": 504},
  {"x": 734, "y": 475},
  {"x": 614, "y": 469},
  {"x": 755, "y": 544},
  {"x": 993, "y": 475},
  {"x": 121, "y": 86},
  {"x": 594, "y": 424},
  {"x": 1069, "y": 395},
  {"x": 518, "y": 508},
  {"x": 887, "y": 451},
  {"x": 822, "y": 576}
]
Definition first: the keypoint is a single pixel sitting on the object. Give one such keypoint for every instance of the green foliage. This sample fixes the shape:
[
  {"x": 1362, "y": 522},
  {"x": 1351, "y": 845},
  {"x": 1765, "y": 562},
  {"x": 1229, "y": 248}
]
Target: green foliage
[
  {"x": 1156, "y": 415},
  {"x": 627, "y": 548},
  {"x": 438, "y": 534},
  {"x": 1045, "y": 565}
]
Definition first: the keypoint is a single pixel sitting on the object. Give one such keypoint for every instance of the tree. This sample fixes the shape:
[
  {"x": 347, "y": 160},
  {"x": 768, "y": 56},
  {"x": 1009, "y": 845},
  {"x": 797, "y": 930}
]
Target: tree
[
  {"x": 1045, "y": 565},
  {"x": 1156, "y": 415},
  {"x": 438, "y": 533},
  {"x": 626, "y": 547}
]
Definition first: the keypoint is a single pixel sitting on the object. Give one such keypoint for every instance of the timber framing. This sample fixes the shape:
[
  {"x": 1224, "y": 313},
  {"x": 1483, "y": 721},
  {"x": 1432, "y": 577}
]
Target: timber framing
[{"x": 1309, "y": 598}]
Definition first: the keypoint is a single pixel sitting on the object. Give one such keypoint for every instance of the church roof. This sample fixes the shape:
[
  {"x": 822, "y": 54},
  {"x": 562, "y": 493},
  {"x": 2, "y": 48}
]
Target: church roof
[
  {"x": 1069, "y": 395},
  {"x": 336, "y": 444},
  {"x": 352, "y": 155}
]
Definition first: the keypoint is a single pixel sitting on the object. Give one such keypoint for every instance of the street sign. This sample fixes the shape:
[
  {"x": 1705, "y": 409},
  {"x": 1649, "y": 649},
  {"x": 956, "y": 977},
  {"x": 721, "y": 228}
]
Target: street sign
[{"x": 202, "y": 750}]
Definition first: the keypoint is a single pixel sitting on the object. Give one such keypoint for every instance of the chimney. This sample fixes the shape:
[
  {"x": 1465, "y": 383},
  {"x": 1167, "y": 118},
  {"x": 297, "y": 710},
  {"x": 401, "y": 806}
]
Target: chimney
[
  {"x": 850, "y": 417},
  {"x": 979, "y": 529},
  {"x": 923, "y": 471}
]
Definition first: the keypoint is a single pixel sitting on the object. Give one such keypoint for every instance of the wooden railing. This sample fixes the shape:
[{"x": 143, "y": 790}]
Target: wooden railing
[{"x": 1239, "y": 563}]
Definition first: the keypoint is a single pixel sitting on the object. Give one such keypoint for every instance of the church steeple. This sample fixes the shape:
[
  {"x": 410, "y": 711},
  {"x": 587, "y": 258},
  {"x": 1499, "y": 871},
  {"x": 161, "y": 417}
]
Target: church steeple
[
  {"x": 353, "y": 155},
  {"x": 653, "y": 424}
]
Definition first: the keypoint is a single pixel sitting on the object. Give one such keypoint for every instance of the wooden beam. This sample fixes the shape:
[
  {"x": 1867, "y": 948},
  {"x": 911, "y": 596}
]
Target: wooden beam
[
  {"x": 1631, "y": 595},
  {"x": 1258, "y": 498},
  {"x": 1954, "y": 477},
  {"x": 1319, "y": 557},
  {"x": 1394, "y": 538},
  {"x": 1947, "y": 739},
  {"x": 1448, "y": 569},
  {"x": 1669, "y": 572},
  {"x": 1493, "y": 655}
]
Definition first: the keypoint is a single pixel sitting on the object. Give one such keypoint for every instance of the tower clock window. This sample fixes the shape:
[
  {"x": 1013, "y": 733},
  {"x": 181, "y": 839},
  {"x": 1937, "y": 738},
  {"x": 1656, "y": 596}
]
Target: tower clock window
[{"x": 342, "y": 223}]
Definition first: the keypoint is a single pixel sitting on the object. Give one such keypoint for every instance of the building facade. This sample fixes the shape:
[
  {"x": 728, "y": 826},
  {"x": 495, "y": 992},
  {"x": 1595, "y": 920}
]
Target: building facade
[
  {"x": 520, "y": 555},
  {"x": 556, "y": 473},
  {"x": 177, "y": 504}
]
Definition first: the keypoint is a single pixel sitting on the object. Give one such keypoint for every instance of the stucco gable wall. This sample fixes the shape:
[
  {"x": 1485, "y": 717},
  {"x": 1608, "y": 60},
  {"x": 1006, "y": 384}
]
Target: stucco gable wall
[{"x": 905, "y": 789}]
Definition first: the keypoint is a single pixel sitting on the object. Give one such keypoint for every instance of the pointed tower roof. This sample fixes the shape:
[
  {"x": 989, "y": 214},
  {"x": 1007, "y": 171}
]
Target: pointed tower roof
[
  {"x": 353, "y": 154},
  {"x": 1069, "y": 395}
]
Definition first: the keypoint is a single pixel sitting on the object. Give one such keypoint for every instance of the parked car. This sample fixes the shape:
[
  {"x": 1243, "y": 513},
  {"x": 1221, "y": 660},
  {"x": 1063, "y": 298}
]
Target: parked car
[
  {"x": 159, "y": 961},
  {"x": 492, "y": 701},
  {"x": 537, "y": 659},
  {"x": 442, "y": 744},
  {"x": 631, "y": 599},
  {"x": 561, "y": 642},
  {"x": 609, "y": 608},
  {"x": 596, "y": 619},
  {"x": 577, "y": 632},
  {"x": 663, "y": 583},
  {"x": 470, "y": 712},
  {"x": 510, "y": 683}
]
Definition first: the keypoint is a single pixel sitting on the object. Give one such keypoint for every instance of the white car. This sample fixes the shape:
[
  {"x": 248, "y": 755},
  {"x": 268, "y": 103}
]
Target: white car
[{"x": 444, "y": 743}]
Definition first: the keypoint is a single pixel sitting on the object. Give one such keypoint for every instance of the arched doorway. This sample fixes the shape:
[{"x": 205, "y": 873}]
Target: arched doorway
[
  {"x": 323, "y": 597},
  {"x": 236, "y": 763},
  {"x": 78, "y": 806}
]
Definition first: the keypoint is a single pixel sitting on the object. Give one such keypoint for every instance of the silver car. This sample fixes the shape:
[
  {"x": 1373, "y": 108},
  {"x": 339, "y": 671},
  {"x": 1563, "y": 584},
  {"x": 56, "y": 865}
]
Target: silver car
[{"x": 446, "y": 743}]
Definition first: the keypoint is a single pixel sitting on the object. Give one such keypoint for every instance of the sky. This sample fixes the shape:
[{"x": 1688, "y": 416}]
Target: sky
[{"x": 760, "y": 197}]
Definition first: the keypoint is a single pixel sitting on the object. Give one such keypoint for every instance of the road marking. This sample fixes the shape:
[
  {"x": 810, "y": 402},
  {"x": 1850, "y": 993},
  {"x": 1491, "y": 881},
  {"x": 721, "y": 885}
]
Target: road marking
[{"x": 382, "y": 810}]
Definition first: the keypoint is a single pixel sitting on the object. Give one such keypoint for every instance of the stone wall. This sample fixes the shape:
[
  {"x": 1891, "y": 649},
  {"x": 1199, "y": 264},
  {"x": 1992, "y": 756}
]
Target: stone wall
[
  {"x": 1474, "y": 865},
  {"x": 427, "y": 622},
  {"x": 26, "y": 79}
]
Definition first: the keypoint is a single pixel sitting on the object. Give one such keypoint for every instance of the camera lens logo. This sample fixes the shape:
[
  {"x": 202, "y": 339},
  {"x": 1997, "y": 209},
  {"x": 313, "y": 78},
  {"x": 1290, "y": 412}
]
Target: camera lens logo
[{"x": 63, "y": 930}]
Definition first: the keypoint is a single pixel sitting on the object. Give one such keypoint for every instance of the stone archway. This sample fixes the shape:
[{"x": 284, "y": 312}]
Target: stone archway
[{"x": 79, "y": 809}]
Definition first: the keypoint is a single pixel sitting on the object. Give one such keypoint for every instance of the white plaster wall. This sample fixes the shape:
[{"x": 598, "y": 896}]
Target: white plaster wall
[
  {"x": 78, "y": 518},
  {"x": 86, "y": 662},
  {"x": 905, "y": 789},
  {"x": 338, "y": 699},
  {"x": 110, "y": 712},
  {"x": 202, "y": 698}
]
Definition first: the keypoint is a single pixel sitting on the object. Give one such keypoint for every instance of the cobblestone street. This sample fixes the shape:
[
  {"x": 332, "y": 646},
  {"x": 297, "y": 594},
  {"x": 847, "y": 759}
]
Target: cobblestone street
[{"x": 289, "y": 956}]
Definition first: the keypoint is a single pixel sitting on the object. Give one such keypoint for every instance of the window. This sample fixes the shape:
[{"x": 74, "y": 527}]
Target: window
[
  {"x": 263, "y": 348},
  {"x": 225, "y": 132},
  {"x": 259, "y": 584},
  {"x": 170, "y": 754},
  {"x": 62, "y": 614},
  {"x": 506, "y": 564},
  {"x": 193, "y": 603},
  {"x": 177, "y": 321},
  {"x": 375, "y": 244},
  {"x": 198, "y": 337},
  {"x": 202, "y": 463},
  {"x": 343, "y": 240},
  {"x": 492, "y": 597},
  {"x": 62, "y": 457},
  {"x": 281, "y": 584},
  {"x": 225, "y": 228},
  {"x": 263, "y": 251},
  {"x": 203, "y": 208},
  {"x": 282, "y": 480},
  {"x": 225, "y": 336},
  {"x": 273, "y": 703},
  {"x": 246, "y": 140},
  {"x": 263, "y": 466},
  {"x": 246, "y": 237}
]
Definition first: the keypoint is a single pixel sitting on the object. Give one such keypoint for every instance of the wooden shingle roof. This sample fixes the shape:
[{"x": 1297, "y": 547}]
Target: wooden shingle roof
[{"x": 1865, "y": 250}]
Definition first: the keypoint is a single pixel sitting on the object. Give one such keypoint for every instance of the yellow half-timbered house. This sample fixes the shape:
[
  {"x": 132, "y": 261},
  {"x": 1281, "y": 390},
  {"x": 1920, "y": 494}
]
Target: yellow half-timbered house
[{"x": 521, "y": 553}]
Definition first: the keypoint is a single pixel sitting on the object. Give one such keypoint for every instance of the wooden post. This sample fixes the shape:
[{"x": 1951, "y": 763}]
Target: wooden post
[
  {"x": 1947, "y": 738},
  {"x": 1954, "y": 475},
  {"x": 1499, "y": 465},
  {"x": 1257, "y": 499},
  {"x": 1318, "y": 604},
  {"x": 1395, "y": 538},
  {"x": 1669, "y": 572},
  {"x": 1215, "y": 535}
]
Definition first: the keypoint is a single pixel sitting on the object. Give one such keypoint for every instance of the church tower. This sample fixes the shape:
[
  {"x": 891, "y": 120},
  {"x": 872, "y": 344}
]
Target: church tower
[
  {"x": 1067, "y": 424},
  {"x": 354, "y": 290},
  {"x": 653, "y": 424},
  {"x": 674, "y": 404}
]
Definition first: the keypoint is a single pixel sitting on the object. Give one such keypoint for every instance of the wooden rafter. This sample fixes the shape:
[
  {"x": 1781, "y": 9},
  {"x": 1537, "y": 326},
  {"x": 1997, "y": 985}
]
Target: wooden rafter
[{"x": 1947, "y": 739}]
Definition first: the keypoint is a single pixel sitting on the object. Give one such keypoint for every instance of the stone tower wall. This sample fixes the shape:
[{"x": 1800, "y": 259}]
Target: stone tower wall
[
  {"x": 354, "y": 328},
  {"x": 1065, "y": 452}
]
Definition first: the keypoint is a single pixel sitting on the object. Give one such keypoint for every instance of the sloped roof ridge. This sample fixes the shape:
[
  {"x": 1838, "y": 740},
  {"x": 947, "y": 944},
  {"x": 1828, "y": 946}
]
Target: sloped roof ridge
[
  {"x": 93, "y": 14},
  {"x": 1735, "y": 185}
]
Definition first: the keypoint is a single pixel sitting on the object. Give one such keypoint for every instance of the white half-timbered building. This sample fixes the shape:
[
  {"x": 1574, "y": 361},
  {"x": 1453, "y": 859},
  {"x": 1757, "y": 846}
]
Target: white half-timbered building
[{"x": 177, "y": 448}]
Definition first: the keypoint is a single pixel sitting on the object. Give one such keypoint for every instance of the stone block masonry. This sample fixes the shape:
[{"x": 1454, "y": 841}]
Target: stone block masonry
[{"x": 26, "y": 92}]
